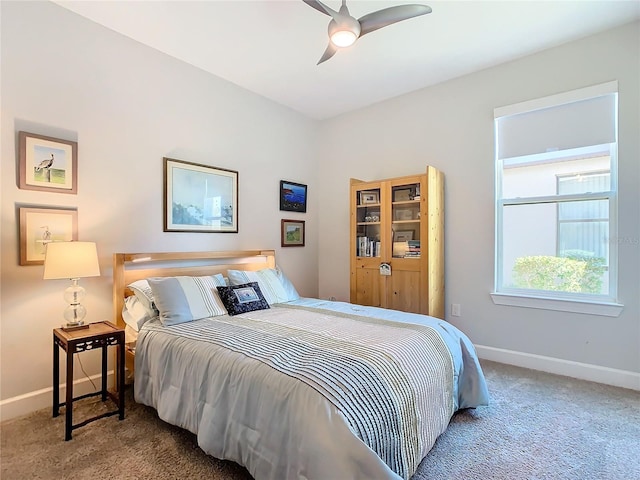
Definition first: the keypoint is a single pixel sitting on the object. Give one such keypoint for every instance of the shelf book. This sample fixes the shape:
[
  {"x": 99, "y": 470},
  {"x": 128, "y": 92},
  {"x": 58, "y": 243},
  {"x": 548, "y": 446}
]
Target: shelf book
[{"x": 368, "y": 247}]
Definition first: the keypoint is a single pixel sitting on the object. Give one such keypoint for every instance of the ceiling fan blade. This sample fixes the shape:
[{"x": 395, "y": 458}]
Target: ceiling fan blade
[
  {"x": 328, "y": 53},
  {"x": 382, "y": 18},
  {"x": 321, "y": 7}
]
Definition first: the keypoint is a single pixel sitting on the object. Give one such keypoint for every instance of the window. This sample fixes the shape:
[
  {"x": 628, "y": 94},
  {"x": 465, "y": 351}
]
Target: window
[{"x": 556, "y": 194}]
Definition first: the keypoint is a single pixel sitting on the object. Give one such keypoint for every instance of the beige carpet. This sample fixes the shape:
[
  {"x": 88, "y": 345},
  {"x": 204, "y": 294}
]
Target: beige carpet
[{"x": 538, "y": 426}]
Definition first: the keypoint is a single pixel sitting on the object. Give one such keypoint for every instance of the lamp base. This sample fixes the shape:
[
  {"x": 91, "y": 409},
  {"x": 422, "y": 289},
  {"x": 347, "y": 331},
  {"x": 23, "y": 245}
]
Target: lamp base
[{"x": 71, "y": 328}]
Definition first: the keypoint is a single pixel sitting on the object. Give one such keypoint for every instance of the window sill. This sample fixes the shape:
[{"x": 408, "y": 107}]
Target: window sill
[{"x": 561, "y": 305}]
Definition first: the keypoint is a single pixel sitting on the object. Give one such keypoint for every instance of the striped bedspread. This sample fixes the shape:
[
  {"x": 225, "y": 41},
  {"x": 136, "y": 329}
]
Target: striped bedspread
[{"x": 393, "y": 382}]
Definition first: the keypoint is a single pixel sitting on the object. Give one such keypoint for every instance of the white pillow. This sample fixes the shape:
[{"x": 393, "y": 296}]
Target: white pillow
[
  {"x": 183, "y": 299},
  {"x": 274, "y": 284},
  {"x": 134, "y": 313},
  {"x": 143, "y": 292},
  {"x": 290, "y": 290}
]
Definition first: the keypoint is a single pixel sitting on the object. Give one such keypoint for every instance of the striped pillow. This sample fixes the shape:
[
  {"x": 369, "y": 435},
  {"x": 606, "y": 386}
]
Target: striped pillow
[
  {"x": 183, "y": 299},
  {"x": 275, "y": 286}
]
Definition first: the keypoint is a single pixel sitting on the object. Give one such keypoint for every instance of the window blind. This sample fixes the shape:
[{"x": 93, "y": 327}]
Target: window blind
[{"x": 575, "y": 119}]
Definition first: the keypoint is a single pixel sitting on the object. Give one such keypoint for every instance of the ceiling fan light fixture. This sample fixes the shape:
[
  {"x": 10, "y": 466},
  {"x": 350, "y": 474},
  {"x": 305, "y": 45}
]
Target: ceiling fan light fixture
[
  {"x": 345, "y": 33},
  {"x": 344, "y": 29},
  {"x": 343, "y": 38}
]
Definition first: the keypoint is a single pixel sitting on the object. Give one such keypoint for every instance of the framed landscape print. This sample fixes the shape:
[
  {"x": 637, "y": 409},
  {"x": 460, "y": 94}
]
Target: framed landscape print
[
  {"x": 403, "y": 194},
  {"x": 47, "y": 163},
  {"x": 292, "y": 233},
  {"x": 404, "y": 214},
  {"x": 403, "y": 235},
  {"x": 293, "y": 196},
  {"x": 40, "y": 226},
  {"x": 199, "y": 198}
]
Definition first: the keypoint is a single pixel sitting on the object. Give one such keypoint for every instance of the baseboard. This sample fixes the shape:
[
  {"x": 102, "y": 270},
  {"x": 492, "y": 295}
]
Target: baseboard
[
  {"x": 30, "y": 402},
  {"x": 583, "y": 371}
]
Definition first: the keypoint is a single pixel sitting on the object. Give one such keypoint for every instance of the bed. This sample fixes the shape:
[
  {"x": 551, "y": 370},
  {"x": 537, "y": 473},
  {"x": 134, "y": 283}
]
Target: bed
[{"x": 288, "y": 387}]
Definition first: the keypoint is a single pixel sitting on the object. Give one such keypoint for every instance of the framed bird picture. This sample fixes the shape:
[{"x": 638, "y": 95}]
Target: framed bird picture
[
  {"x": 40, "y": 226},
  {"x": 48, "y": 164}
]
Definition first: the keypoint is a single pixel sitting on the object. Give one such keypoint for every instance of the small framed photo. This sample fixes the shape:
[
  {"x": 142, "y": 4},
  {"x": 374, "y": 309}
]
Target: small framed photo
[
  {"x": 403, "y": 214},
  {"x": 368, "y": 197},
  {"x": 47, "y": 164},
  {"x": 292, "y": 233},
  {"x": 293, "y": 197},
  {"x": 403, "y": 235},
  {"x": 40, "y": 226},
  {"x": 199, "y": 198},
  {"x": 403, "y": 194}
]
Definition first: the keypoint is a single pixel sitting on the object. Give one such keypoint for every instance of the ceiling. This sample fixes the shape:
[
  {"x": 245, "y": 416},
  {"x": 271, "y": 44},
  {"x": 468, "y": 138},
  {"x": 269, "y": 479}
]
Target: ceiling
[{"x": 271, "y": 47}]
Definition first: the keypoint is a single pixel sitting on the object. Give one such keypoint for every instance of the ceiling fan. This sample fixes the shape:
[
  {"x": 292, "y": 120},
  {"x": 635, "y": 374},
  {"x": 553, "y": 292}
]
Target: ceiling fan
[{"x": 344, "y": 29}]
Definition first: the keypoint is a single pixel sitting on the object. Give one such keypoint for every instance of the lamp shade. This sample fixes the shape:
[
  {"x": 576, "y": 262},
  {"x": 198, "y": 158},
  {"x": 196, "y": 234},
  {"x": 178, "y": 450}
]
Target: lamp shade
[{"x": 71, "y": 260}]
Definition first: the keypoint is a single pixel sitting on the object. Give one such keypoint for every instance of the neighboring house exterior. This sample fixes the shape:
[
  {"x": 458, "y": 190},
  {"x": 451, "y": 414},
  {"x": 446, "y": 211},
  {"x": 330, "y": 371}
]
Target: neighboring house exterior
[{"x": 554, "y": 230}]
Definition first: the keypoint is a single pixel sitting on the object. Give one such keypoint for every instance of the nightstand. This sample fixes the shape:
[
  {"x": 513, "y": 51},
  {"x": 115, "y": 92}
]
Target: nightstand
[{"x": 95, "y": 335}]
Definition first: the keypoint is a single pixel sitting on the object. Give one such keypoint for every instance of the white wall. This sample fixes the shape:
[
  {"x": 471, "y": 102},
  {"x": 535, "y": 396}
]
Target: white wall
[
  {"x": 450, "y": 126},
  {"x": 128, "y": 106}
]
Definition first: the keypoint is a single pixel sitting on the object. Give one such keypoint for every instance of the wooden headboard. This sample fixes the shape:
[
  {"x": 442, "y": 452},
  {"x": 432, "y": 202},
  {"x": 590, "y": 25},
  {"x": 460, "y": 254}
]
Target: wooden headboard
[{"x": 129, "y": 267}]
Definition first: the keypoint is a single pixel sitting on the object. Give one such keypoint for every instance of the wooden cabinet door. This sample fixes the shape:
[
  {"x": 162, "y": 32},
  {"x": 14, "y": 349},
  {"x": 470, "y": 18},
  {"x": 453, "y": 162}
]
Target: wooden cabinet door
[
  {"x": 369, "y": 239},
  {"x": 403, "y": 286},
  {"x": 368, "y": 285}
]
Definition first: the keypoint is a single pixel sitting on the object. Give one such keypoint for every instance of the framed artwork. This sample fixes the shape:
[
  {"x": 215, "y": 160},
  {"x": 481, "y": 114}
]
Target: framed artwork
[
  {"x": 368, "y": 197},
  {"x": 403, "y": 235},
  {"x": 292, "y": 233},
  {"x": 293, "y": 196},
  {"x": 40, "y": 226},
  {"x": 47, "y": 164},
  {"x": 403, "y": 214},
  {"x": 199, "y": 198},
  {"x": 403, "y": 194}
]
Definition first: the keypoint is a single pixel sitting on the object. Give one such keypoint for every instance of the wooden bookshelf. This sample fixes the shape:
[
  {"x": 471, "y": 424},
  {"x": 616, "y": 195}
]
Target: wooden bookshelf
[{"x": 399, "y": 223}]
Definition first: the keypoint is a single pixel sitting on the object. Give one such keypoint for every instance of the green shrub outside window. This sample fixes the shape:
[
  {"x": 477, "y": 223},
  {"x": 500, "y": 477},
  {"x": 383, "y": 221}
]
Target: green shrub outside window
[{"x": 574, "y": 271}]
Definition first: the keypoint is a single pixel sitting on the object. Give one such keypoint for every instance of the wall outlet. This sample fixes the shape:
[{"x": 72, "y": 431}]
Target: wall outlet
[{"x": 455, "y": 310}]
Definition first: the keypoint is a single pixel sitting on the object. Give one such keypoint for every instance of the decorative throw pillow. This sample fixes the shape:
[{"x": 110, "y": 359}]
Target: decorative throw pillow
[
  {"x": 274, "y": 284},
  {"x": 183, "y": 299},
  {"x": 242, "y": 298}
]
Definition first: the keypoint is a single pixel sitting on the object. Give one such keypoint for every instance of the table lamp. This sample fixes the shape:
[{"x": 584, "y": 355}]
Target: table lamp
[{"x": 72, "y": 260}]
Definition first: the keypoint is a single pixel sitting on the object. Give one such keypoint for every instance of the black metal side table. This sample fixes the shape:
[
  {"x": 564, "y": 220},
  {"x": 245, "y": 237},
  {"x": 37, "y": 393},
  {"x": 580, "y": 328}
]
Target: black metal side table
[{"x": 95, "y": 335}]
